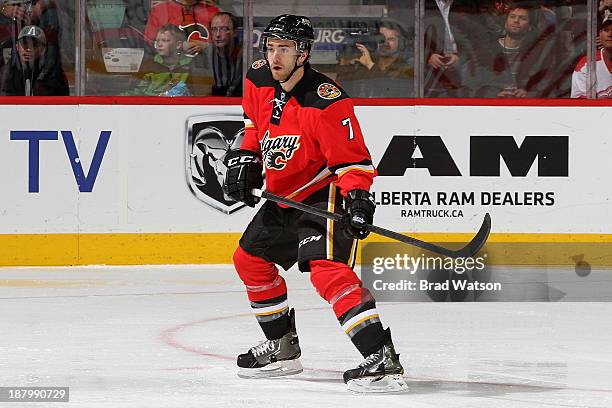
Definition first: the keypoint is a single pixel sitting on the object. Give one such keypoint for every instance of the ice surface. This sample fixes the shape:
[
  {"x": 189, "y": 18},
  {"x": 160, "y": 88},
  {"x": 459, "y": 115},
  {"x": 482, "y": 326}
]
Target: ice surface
[{"x": 168, "y": 336}]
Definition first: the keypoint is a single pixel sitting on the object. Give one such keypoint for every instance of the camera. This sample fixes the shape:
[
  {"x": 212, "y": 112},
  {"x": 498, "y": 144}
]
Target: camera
[{"x": 371, "y": 41}]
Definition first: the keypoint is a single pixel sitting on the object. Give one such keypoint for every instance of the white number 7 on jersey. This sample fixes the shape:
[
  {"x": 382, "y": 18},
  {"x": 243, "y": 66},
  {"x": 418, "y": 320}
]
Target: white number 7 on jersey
[{"x": 347, "y": 122}]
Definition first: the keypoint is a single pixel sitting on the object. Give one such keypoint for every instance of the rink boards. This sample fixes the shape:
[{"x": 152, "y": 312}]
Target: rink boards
[{"x": 138, "y": 184}]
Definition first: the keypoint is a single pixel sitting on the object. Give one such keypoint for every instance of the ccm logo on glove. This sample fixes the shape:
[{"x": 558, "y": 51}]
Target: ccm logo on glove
[{"x": 242, "y": 160}]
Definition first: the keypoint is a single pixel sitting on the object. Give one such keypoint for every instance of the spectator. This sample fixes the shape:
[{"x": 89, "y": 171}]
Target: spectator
[
  {"x": 30, "y": 72},
  {"x": 473, "y": 23},
  {"x": 514, "y": 63},
  {"x": 384, "y": 74},
  {"x": 442, "y": 71},
  {"x": 16, "y": 14},
  {"x": 603, "y": 65},
  {"x": 170, "y": 72},
  {"x": 191, "y": 16},
  {"x": 225, "y": 56}
]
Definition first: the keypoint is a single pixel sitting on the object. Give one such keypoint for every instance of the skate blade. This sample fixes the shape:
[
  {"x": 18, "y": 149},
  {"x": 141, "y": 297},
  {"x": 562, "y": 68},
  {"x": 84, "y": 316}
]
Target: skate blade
[
  {"x": 278, "y": 369},
  {"x": 382, "y": 385}
]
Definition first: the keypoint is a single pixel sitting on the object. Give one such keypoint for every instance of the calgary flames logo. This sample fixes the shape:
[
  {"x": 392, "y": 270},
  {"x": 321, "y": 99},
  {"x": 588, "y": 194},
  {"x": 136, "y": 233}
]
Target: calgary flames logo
[
  {"x": 328, "y": 91},
  {"x": 195, "y": 32},
  {"x": 258, "y": 64},
  {"x": 279, "y": 150}
]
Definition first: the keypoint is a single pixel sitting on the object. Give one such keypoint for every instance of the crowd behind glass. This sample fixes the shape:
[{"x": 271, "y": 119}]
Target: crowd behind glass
[{"x": 372, "y": 48}]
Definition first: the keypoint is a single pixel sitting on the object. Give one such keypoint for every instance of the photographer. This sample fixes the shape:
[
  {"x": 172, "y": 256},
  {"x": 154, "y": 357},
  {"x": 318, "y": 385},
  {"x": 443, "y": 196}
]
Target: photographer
[{"x": 376, "y": 68}]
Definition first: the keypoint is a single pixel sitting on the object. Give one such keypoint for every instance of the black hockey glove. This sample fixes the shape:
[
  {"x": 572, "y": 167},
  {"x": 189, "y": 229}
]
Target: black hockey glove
[
  {"x": 243, "y": 174},
  {"x": 360, "y": 206}
]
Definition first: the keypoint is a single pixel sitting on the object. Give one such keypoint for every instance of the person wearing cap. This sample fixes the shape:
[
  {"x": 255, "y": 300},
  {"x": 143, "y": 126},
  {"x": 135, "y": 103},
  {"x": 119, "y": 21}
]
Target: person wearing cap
[
  {"x": 16, "y": 14},
  {"x": 30, "y": 73},
  {"x": 603, "y": 65},
  {"x": 302, "y": 128},
  {"x": 605, "y": 6}
]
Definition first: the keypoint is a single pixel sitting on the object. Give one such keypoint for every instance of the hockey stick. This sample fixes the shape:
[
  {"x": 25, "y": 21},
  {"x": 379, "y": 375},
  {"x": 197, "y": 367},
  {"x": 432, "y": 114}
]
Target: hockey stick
[{"x": 470, "y": 249}]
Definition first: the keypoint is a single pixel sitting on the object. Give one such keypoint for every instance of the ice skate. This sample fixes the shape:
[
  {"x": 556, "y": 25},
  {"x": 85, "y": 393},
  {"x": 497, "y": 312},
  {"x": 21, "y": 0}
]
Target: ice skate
[
  {"x": 273, "y": 358},
  {"x": 380, "y": 372}
]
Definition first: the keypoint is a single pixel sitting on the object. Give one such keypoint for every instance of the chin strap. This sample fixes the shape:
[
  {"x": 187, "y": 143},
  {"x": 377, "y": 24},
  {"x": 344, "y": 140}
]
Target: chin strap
[{"x": 295, "y": 68}]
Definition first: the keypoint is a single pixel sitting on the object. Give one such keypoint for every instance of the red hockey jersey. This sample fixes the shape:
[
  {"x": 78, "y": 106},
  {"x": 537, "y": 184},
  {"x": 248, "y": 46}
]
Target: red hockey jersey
[{"x": 308, "y": 137}]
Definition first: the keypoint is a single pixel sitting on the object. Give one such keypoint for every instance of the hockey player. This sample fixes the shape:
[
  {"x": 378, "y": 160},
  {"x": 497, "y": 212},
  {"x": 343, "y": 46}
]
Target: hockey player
[{"x": 301, "y": 127}]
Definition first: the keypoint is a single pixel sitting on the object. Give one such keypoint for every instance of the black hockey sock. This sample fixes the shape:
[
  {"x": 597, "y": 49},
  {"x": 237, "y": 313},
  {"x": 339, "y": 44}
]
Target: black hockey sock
[
  {"x": 277, "y": 328},
  {"x": 371, "y": 339},
  {"x": 363, "y": 326},
  {"x": 273, "y": 316}
]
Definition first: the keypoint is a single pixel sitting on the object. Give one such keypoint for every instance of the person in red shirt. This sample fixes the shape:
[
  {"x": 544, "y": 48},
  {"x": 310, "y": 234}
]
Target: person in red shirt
[
  {"x": 301, "y": 127},
  {"x": 191, "y": 16},
  {"x": 603, "y": 65}
]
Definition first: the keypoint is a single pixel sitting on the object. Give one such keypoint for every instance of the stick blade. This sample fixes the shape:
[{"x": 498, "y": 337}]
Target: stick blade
[{"x": 478, "y": 241}]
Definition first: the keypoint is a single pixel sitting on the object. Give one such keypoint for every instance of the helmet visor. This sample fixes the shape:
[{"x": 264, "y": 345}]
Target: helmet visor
[{"x": 271, "y": 45}]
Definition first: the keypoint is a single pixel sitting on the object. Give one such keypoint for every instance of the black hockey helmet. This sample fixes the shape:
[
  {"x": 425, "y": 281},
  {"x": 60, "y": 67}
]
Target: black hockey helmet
[{"x": 289, "y": 27}]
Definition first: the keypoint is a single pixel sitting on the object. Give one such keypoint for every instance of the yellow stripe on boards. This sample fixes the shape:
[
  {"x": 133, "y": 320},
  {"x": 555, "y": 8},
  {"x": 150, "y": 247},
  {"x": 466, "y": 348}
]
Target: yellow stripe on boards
[
  {"x": 528, "y": 249},
  {"x": 117, "y": 249},
  {"x": 218, "y": 248}
]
